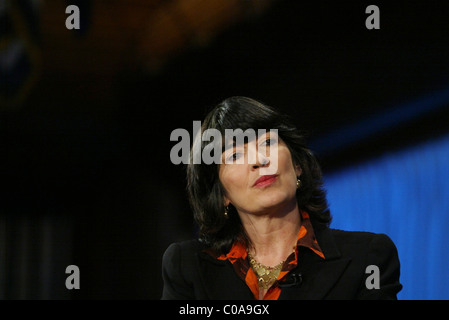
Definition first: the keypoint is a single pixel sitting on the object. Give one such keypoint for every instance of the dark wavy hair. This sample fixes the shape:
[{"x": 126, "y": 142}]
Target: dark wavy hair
[{"x": 206, "y": 192}]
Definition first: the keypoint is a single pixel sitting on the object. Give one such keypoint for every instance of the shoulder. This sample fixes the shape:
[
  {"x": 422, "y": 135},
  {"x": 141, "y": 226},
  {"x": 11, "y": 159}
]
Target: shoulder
[
  {"x": 366, "y": 247},
  {"x": 188, "y": 245},
  {"x": 357, "y": 236},
  {"x": 181, "y": 251},
  {"x": 367, "y": 250},
  {"x": 361, "y": 239},
  {"x": 180, "y": 269},
  {"x": 357, "y": 245}
]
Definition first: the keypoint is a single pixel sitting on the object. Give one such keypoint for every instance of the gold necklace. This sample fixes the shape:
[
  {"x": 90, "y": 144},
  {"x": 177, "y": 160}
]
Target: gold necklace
[{"x": 266, "y": 275}]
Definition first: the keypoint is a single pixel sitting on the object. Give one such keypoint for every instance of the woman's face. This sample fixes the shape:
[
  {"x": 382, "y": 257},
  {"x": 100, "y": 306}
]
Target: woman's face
[{"x": 251, "y": 190}]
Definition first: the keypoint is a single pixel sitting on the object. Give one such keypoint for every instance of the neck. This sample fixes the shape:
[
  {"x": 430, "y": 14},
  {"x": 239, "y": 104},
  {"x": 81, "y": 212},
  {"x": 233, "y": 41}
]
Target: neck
[{"x": 273, "y": 235}]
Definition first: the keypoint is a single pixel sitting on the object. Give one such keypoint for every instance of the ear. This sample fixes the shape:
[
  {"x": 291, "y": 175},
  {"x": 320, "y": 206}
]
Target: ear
[
  {"x": 226, "y": 200},
  {"x": 298, "y": 170}
]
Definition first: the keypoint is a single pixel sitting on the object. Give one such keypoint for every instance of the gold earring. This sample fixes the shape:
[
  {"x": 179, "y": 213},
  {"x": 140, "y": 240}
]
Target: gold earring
[
  {"x": 298, "y": 183},
  {"x": 226, "y": 211}
]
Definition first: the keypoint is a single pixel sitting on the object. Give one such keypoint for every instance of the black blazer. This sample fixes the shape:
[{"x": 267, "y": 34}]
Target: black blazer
[{"x": 190, "y": 273}]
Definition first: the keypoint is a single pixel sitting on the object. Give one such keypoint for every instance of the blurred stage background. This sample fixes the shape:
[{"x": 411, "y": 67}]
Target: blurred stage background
[{"x": 86, "y": 116}]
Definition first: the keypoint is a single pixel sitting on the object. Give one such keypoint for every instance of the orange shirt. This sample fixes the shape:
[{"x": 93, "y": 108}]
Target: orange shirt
[{"x": 238, "y": 257}]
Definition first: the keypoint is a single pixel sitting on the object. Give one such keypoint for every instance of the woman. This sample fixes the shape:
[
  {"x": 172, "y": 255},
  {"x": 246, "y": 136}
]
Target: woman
[{"x": 267, "y": 236}]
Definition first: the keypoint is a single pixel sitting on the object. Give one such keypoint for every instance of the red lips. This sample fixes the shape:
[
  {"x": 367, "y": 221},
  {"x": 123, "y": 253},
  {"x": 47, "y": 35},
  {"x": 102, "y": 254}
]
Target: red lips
[{"x": 266, "y": 180}]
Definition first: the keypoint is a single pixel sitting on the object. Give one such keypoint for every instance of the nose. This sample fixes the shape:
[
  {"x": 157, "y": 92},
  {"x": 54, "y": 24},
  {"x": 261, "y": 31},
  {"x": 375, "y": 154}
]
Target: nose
[{"x": 261, "y": 161}]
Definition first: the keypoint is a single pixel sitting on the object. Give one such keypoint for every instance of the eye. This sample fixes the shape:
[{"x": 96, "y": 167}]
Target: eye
[
  {"x": 269, "y": 141},
  {"x": 233, "y": 157}
]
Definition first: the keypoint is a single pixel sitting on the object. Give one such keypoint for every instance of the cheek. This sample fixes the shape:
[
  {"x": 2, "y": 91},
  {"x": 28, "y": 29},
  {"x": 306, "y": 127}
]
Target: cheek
[
  {"x": 287, "y": 167},
  {"x": 232, "y": 178},
  {"x": 285, "y": 162}
]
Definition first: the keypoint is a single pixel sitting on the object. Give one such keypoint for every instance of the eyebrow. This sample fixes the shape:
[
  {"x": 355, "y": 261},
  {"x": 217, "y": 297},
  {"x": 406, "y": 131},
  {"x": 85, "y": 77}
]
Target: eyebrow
[{"x": 227, "y": 145}]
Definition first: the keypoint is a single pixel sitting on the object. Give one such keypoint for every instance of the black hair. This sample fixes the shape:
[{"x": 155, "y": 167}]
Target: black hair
[{"x": 206, "y": 192}]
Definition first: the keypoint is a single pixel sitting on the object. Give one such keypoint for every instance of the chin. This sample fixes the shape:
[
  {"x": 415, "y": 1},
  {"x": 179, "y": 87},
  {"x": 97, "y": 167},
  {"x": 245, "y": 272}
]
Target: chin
[{"x": 276, "y": 200}]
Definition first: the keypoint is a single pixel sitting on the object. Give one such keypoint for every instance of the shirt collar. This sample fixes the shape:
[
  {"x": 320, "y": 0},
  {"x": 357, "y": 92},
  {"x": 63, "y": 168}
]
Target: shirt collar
[{"x": 306, "y": 238}]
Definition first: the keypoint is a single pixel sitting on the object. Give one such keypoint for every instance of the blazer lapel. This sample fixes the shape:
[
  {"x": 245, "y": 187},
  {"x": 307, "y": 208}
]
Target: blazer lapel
[
  {"x": 220, "y": 281},
  {"x": 318, "y": 275}
]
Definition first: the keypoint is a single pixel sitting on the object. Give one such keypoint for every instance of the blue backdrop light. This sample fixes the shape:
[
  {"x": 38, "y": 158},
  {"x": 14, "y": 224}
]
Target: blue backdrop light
[{"x": 404, "y": 194}]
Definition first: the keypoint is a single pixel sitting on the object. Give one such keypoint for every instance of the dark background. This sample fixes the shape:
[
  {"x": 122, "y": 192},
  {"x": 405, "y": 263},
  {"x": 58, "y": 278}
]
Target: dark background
[{"x": 87, "y": 177}]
